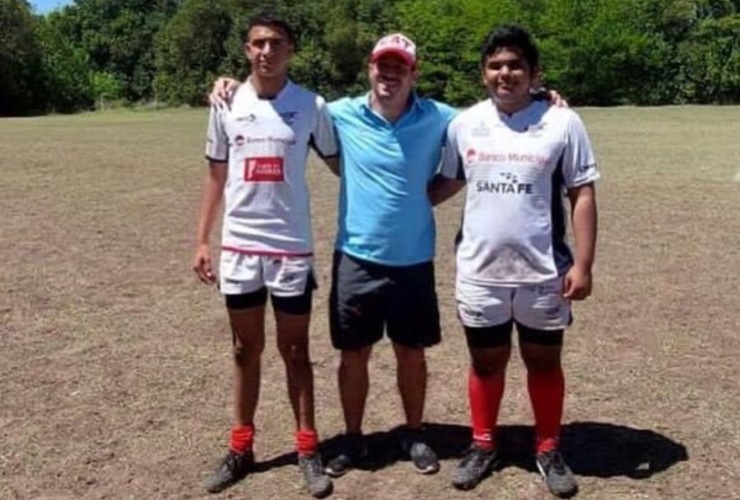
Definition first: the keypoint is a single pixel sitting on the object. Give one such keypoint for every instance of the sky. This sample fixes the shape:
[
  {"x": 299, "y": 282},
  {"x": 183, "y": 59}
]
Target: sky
[{"x": 44, "y": 6}]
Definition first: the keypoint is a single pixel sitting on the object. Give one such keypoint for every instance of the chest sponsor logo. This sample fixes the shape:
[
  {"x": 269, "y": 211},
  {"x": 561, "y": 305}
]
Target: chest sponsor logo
[
  {"x": 264, "y": 169},
  {"x": 239, "y": 140},
  {"x": 473, "y": 156},
  {"x": 508, "y": 183},
  {"x": 247, "y": 118},
  {"x": 285, "y": 141}
]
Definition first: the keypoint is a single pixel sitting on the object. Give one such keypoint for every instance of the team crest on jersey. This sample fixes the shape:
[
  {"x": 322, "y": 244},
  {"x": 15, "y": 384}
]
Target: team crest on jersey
[
  {"x": 535, "y": 129},
  {"x": 264, "y": 169},
  {"x": 481, "y": 130}
]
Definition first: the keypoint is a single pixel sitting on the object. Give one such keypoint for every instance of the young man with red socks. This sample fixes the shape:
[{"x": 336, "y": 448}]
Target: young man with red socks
[
  {"x": 257, "y": 151},
  {"x": 518, "y": 158}
]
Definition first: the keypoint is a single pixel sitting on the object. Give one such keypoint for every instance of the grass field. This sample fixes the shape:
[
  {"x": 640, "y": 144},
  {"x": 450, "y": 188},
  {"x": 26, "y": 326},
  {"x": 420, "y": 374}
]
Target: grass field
[{"x": 115, "y": 363}]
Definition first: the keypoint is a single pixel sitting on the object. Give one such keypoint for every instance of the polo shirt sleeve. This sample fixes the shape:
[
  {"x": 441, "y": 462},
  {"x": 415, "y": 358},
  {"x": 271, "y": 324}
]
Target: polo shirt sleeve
[
  {"x": 323, "y": 137},
  {"x": 217, "y": 142},
  {"x": 579, "y": 163},
  {"x": 452, "y": 166}
]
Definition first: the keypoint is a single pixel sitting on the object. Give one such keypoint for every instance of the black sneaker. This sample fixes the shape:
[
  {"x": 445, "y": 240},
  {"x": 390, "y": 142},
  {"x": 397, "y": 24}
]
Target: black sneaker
[
  {"x": 474, "y": 467},
  {"x": 317, "y": 482},
  {"x": 422, "y": 456},
  {"x": 556, "y": 473},
  {"x": 233, "y": 468},
  {"x": 353, "y": 451}
]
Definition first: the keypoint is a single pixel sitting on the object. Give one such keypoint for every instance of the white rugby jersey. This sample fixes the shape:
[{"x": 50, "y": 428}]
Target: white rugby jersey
[
  {"x": 266, "y": 141},
  {"x": 517, "y": 169}
]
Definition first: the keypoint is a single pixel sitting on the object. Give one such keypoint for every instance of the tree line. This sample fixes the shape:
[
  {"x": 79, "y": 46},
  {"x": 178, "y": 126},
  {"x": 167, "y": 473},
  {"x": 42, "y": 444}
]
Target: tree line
[{"x": 97, "y": 53}]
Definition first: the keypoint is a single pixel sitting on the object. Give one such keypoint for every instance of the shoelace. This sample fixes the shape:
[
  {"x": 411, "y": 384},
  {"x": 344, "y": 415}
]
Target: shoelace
[
  {"x": 475, "y": 455},
  {"x": 556, "y": 462},
  {"x": 231, "y": 461},
  {"x": 314, "y": 467}
]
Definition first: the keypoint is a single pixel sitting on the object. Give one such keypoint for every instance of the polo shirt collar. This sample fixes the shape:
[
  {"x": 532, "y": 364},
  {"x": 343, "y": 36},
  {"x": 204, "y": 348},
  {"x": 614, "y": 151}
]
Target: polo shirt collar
[{"x": 414, "y": 104}]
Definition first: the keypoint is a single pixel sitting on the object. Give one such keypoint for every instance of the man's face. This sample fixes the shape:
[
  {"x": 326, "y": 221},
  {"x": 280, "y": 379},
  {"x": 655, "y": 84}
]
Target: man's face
[
  {"x": 391, "y": 76},
  {"x": 269, "y": 51},
  {"x": 509, "y": 77}
]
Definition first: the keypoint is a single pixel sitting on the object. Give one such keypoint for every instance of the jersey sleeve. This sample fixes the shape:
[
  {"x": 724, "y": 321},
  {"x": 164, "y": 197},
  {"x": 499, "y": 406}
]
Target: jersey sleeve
[
  {"x": 323, "y": 137},
  {"x": 217, "y": 142},
  {"x": 579, "y": 163},
  {"x": 452, "y": 165}
]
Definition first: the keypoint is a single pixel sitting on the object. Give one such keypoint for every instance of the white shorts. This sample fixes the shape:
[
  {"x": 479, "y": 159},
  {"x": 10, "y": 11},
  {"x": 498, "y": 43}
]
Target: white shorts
[
  {"x": 540, "y": 307},
  {"x": 283, "y": 276}
]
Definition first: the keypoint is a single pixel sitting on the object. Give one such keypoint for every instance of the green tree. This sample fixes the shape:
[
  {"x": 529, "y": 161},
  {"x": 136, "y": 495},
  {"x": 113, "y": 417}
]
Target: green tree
[
  {"x": 191, "y": 51},
  {"x": 20, "y": 60},
  {"x": 449, "y": 35},
  {"x": 106, "y": 89},
  {"x": 710, "y": 62},
  {"x": 118, "y": 36},
  {"x": 66, "y": 75}
]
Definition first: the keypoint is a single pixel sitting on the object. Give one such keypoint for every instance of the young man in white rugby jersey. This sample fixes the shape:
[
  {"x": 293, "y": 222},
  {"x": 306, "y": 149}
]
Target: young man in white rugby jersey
[
  {"x": 257, "y": 151},
  {"x": 518, "y": 158}
]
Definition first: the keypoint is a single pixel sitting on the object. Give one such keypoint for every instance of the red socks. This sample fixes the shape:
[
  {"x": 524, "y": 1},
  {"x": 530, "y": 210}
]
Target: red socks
[
  {"x": 546, "y": 392},
  {"x": 306, "y": 441},
  {"x": 242, "y": 438},
  {"x": 484, "y": 396}
]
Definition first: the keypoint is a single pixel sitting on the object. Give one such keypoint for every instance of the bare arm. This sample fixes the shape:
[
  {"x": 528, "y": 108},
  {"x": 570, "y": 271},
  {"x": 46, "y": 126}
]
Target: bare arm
[
  {"x": 443, "y": 188},
  {"x": 584, "y": 220},
  {"x": 213, "y": 189},
  {"x": 213, "y": 192}
]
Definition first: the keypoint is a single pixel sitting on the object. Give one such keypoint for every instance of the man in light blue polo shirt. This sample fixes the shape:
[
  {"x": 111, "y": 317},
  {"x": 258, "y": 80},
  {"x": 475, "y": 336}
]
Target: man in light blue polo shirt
[{"x": 383, "y": 275}]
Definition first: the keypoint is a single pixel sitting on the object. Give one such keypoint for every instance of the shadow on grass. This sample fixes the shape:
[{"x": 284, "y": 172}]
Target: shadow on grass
[{"x": 592, "y": 449}]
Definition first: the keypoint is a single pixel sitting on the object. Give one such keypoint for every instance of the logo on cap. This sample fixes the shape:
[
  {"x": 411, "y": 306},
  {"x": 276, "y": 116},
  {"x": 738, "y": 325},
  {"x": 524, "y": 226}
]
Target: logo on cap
[{"x": 395, "y": 44}]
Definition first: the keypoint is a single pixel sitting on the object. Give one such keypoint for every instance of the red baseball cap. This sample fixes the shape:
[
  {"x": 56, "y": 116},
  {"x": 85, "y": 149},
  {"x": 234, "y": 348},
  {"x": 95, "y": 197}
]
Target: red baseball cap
[{"x": 398, "y": 44}]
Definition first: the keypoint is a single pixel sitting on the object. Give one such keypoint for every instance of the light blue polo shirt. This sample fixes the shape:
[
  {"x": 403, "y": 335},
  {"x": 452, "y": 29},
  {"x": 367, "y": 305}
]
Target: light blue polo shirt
[{"x": 384, "y": 213}]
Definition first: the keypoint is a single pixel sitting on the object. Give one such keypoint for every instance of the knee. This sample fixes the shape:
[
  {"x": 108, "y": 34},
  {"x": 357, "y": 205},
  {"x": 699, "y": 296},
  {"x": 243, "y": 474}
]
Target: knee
[
  {"x": 489, "y": 368},
  {"x": 354, "y": 359},
  {"x": 491, "y": 364},
  {"x": 294, "y": 353},
  {"x": 407, "y": 357},
  {"x": 541, "y": 362},
  {"x": 247, "y": 354}
]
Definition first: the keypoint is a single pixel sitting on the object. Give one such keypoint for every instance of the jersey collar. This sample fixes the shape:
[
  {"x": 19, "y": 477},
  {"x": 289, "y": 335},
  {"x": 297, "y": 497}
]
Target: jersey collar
[{"x": 250, "y": 88}]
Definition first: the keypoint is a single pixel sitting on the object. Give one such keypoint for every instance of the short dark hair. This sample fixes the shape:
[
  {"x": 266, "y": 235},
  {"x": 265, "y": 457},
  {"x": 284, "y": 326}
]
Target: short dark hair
[
  {"x": 270, "y": 20},
  {"x": 513, "y": 36}
]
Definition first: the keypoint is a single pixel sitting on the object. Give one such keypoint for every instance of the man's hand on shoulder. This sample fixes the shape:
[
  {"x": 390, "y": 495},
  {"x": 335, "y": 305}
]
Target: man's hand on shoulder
[
  {"x": 551, "y": 96},
  {"x": 223, "y": 91}
]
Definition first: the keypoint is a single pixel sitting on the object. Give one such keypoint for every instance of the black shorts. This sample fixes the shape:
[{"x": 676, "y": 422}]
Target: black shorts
[
  {"x": 298, "y": 304},
  {"x": 367, "y": 298}
]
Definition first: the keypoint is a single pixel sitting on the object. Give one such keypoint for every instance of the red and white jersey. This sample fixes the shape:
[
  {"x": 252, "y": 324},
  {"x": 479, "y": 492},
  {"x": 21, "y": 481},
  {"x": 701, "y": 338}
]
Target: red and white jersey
[
  {"x": 517, "y": 169},
  {"x": 266, "y": 141}
]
